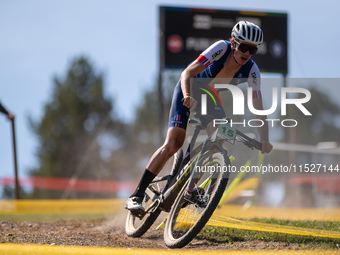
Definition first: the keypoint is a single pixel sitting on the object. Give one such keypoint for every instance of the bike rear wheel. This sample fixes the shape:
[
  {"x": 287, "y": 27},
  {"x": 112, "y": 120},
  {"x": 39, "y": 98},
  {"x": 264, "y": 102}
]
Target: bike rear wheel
[
  {"x": 136, "y": 226},
  {"x": 188, "y": 216}
]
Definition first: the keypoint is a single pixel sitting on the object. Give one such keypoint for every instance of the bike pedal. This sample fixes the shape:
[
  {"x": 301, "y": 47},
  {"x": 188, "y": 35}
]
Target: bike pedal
[{"x": 138, "y": 213}]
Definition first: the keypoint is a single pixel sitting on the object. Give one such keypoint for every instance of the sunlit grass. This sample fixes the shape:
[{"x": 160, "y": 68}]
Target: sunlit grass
[{"x": 232, "y": 235}]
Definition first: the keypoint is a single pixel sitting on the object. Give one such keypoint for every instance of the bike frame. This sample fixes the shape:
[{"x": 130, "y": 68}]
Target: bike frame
[{"x": 174, "y": 184}]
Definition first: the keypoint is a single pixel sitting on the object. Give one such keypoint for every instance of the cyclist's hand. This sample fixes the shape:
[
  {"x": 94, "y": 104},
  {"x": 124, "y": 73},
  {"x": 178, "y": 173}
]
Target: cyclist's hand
[
  {"x": 266, "y": 147},
  {"x": 190, "y": 102}
]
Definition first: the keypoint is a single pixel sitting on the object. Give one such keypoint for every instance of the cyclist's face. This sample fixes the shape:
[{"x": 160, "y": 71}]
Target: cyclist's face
[{"x": 241, "y": 57}]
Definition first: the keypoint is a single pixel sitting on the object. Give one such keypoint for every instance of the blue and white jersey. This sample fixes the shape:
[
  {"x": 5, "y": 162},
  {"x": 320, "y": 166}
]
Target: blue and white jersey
[{"x": 214, "y": 59}]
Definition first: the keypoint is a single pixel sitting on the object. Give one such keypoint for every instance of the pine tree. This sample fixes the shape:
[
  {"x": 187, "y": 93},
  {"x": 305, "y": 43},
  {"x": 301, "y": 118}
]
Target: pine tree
[{"x": 75, "y": 120}]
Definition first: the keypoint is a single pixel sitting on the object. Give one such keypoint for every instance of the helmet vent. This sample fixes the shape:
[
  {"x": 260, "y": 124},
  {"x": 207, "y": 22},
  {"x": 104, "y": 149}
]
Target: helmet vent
[
  {"x": 257, "y": 35},
  {"x": 249, "y": 32},
  {"x": 244, "y": 32},
  {"x": 253, "y": 34}
]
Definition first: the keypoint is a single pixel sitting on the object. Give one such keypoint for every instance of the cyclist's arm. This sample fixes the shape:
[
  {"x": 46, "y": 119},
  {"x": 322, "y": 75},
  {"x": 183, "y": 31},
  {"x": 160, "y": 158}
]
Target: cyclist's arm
[
  {"x": 193, "y": 69},
  {"x": 190, "y": 72},
  {"x": 211, "y": 54},
  {"x": 254, "y": 81},
  {"x": 263, "y": 130}
]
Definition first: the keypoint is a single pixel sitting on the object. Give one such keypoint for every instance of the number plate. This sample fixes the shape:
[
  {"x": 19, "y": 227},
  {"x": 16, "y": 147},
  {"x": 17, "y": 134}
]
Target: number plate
[{"x": 226, "y": 132}]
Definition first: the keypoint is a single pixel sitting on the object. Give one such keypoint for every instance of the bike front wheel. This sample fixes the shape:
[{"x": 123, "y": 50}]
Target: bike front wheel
[
  {"x": 189, "y": 215},
  {"x": 136, "y": 226}
]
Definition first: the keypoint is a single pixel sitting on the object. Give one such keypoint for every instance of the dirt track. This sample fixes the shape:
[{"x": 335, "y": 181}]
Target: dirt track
[{"x": 109, "y": 234}]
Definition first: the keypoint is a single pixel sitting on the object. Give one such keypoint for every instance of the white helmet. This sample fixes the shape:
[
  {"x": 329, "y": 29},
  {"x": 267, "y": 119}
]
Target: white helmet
[{"x": 246, "y": 31}]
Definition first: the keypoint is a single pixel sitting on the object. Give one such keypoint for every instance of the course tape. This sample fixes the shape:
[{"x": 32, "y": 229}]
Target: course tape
[
  {"x": 80, "y": 185},
  {"x": 95, "y": 206},
  {"x": 21, "y": 249}
]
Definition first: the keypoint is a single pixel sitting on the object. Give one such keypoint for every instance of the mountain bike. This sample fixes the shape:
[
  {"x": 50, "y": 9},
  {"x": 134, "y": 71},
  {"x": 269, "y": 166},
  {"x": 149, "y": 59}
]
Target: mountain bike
[{"x": 192, "y": 190}]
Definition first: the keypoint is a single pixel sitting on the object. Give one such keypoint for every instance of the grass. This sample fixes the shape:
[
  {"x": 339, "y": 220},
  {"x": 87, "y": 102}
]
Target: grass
[{"x": 231, "y": 235}]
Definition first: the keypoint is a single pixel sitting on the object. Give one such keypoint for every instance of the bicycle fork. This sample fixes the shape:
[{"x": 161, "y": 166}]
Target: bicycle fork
[{"x": 196, "y": 175}]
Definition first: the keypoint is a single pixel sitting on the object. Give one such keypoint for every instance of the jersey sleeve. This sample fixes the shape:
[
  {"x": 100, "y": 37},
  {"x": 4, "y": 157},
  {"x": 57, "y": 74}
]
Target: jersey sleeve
[
  {"x": 213, "y": 53},
  {"x": 254, "y": 81}
]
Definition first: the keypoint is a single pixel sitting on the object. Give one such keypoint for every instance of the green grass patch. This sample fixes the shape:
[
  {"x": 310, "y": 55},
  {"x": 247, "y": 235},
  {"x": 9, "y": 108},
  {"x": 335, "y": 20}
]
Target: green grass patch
[
  {"x": 321, "y": 225},
  {"x": 232, "y": 235}
]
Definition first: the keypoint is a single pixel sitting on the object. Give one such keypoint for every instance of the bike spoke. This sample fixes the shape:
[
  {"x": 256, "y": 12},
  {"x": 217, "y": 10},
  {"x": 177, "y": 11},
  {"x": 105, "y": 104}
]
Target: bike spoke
[
  {"x": 192, "y": 209},
  {"x": 189, "y": 212}
]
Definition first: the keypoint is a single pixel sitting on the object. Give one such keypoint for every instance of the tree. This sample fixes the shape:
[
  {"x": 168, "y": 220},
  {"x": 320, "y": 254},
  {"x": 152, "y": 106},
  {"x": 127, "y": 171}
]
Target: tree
[{"x": 74, "y": 120}]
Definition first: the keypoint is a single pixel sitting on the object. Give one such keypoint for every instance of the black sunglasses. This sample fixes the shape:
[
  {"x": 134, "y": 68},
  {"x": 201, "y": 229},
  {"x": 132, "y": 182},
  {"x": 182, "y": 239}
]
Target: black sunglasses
[{"x": 246, "y": 47}]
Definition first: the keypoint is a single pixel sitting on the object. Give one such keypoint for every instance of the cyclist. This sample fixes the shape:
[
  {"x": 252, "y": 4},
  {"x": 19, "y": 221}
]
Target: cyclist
[{"x": 228, "y": 60}]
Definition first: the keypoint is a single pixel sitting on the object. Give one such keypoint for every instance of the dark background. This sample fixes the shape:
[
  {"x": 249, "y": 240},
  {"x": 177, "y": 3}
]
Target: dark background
[{"x": 180, "y": 21}]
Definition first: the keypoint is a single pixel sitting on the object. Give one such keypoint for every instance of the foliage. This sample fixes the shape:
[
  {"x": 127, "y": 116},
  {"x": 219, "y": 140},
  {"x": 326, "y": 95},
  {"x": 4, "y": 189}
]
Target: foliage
[{"x": 75, "y": 121}]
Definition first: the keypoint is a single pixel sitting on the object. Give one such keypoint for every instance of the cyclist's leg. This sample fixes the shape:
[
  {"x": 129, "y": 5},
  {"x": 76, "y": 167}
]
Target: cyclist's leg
[
  {"x": 174, "y": 140},
  {"x": 178, "y": 119}
]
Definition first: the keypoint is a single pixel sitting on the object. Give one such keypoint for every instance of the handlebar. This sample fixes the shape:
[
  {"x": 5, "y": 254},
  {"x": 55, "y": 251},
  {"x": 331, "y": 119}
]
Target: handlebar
[{"x": 251, "y": 143}]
